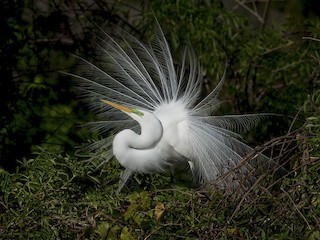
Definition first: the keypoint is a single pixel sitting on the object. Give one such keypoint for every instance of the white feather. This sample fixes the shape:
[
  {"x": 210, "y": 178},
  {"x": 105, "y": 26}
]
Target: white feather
[{"x": 144, "y": 77}]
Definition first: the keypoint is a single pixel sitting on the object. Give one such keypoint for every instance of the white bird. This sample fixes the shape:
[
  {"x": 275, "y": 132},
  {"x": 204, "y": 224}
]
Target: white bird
[{"x": 156, "y": 111}]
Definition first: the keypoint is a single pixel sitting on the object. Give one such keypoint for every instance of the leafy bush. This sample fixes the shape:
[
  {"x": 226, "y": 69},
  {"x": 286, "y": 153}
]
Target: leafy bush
[{"x": 56, "y": 196}]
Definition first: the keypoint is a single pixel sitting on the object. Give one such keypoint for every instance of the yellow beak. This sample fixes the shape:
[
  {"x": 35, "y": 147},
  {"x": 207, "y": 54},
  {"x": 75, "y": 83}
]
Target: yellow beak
[
  {"x": 123, "y": 108},
  {"x": 118, "y": 106}
]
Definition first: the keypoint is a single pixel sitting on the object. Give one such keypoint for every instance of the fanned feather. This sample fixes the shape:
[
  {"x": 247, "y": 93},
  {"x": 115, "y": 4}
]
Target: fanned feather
[{"x": 144, "y": 77}]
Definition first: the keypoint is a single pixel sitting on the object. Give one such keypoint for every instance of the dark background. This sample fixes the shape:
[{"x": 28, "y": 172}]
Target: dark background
[{"x": 271, "y": 66}]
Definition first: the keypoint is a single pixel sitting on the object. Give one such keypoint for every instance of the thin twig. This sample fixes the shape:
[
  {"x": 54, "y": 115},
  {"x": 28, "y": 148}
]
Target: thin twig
[
  {"x": 311, "y": 38},
  {"x": 242, "y": 4},
  {"x": 295, "y": 206},
  {"x": 290, "y": 128},
  {"x": 264, "y": 15},
  {"x": 244, "y": 198}
]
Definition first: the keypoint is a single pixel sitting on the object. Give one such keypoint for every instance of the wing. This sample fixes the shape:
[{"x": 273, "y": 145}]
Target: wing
[{"x": 213, "y": 149}]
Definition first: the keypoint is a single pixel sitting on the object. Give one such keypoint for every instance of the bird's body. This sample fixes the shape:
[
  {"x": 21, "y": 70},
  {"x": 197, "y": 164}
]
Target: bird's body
[
  {"x": 158, "y": 147},
  {"x": 162, "y": 121}
]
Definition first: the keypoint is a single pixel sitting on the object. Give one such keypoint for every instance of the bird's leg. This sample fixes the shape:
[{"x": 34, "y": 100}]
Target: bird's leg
[
  {"x": 191, "y": 165},
  {"x": 192, "y": 170},
  {"x": 124, "y": 178},
  {"x": 171, "y": 175}
]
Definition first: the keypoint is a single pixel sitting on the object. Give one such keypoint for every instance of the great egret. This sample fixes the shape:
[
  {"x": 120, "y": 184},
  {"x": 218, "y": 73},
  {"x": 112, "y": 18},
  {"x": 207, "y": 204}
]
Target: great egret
[{"x": 138, "y": 85}]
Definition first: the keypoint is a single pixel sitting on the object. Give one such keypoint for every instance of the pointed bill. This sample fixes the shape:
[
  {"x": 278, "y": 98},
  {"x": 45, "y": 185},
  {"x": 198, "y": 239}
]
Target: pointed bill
[
  {"x": 118, "y": 106},
  {"x": 123, "y": 108}
]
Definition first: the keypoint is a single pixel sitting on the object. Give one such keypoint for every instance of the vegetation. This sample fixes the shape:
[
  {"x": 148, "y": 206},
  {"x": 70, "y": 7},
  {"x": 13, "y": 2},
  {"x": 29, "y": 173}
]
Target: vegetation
[{"x": 51, "y": 192}]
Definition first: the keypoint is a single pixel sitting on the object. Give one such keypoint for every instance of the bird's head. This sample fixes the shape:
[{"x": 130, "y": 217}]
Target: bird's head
[{"x": 148, "y": 121}]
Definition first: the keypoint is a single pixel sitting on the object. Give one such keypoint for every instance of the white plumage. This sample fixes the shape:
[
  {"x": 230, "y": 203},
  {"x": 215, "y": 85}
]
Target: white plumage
[{"x": 160, "y": 120}]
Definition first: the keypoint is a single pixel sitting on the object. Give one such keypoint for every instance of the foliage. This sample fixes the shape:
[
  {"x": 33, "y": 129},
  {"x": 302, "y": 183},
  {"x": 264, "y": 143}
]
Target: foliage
[
  {"x": 37, "y": 106},
  {"x": 33, "y": 106},
  {"x": 56, "y": 196},
  {"x": 257, "y": 59}
]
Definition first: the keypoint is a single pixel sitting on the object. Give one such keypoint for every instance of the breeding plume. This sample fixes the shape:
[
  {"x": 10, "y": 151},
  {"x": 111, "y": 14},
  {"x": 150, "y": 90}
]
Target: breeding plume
[{"x": 154, "y": 112}]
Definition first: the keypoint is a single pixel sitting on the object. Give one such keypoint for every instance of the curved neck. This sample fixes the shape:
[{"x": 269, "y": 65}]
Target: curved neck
[
  {"x": 151, "y": 133},
  {"x": 137, "y": 152}
]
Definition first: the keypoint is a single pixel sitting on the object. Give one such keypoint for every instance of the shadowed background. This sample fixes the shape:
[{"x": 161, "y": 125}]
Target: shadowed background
[{"x": 269, "y": 70}]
